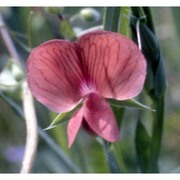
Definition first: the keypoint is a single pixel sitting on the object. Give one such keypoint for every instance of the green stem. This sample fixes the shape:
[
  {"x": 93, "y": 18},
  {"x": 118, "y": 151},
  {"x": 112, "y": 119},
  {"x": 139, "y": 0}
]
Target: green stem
[
  {"x": 111, "y": 19},
  {"x": 124, "y": 21},
  {"x": 112, "y": 162},
  {"x": 157, "y": 131},
  {"x": 29, "y": 29}
]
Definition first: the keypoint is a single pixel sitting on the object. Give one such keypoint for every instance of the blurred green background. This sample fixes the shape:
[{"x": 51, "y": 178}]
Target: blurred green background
[{"x": 30, "y": 27}]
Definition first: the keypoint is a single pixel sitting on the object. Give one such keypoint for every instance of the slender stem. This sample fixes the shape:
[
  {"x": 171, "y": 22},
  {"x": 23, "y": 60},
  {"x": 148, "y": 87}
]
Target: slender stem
[
  {"x": 124, "y": 21},
  {"x": 8, "y": 42},
  {"x": 29, "y": 29},
  {"x": 138, "y": 35},
  {"x": 31, "y": 125},
  {"x": 112, "y": 162}
]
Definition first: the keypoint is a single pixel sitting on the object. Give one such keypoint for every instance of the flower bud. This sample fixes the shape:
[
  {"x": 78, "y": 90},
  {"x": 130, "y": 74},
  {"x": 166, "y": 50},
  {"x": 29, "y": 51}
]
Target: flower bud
[
  {"x": 155, "y": 81},
  {"x": 10, "y": 80},
  {"x": 17, "y": 72},
  {"x": 90, "y": 14}
]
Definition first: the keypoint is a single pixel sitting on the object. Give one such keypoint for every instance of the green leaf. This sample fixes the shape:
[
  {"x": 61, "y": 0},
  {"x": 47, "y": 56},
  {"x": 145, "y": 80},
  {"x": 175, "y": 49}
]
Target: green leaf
[
  {"x": 62, "y": 117},
  {"x": 143, "y": 146},
  {"x": 130, "y": 103}
]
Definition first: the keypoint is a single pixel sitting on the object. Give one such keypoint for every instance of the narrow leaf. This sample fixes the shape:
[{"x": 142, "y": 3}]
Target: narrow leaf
[
  {"x": 143, "y": 144},
  {"x": 62, "y": 117},
  {"x": 130, "y": 103},
  {"x": 124, "y": 21}
]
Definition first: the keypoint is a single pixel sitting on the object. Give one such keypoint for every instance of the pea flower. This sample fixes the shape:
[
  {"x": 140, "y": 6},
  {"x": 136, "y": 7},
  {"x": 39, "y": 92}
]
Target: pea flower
[{"x": 98, "y": 66}]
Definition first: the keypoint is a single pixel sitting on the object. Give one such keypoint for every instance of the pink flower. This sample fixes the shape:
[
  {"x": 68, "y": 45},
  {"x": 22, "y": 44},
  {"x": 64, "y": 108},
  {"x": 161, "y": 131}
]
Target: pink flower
[{"x": 99, "y": 65}]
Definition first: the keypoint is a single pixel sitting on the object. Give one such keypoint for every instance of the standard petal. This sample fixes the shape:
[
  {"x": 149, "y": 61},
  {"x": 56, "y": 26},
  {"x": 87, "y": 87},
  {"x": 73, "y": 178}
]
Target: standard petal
[
  {"x": 114, "y": 65},
  {"x": 100, "y": 118},
  {"x": 54, "y": 75},
  {"x": 73, "y": 126}
]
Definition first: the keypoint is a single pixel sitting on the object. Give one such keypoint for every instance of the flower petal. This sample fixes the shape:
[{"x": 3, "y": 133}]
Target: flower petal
[
  {"x": 73, "y": 126},
  {"x": 100, "y": 118},
  {"x": 115, "y": 66},
  {"x": 54, "y": 75}
]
